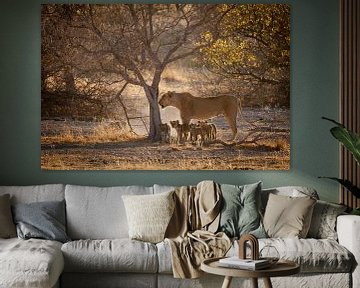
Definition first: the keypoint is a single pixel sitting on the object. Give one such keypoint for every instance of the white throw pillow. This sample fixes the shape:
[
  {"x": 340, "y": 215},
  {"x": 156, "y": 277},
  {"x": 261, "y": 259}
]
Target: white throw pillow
[{"x": 149, "y": 215}]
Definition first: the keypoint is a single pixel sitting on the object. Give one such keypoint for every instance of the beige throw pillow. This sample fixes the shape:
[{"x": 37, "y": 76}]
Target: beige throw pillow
[
  {"x": 288, "y": 217},
  {"x": 148, "y": 215},
  {"x": 7, "y": 226}
]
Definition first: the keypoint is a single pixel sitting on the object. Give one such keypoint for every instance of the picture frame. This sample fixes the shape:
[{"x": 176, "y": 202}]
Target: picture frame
[{"x": 165, "y": 87}]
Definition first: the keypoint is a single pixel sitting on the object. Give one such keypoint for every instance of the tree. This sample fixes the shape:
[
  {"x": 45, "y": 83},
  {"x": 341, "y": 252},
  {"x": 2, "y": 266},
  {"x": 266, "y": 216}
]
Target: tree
[
  {"x": 251, "y": 45},
  {"x": 130, "y": 43},
  {"x": 60, "y": 75}
]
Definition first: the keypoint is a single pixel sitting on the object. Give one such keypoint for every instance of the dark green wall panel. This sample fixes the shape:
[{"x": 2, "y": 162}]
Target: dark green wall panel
[{"x": 314, "y": 93}]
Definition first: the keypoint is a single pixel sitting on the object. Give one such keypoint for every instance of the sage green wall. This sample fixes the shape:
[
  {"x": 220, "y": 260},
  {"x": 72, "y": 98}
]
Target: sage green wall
[{"x": 314, "y": 93}]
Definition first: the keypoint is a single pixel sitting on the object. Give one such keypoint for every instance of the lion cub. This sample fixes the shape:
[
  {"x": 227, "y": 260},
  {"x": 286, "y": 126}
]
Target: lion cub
[
  {"x": 196, "y": 134},
  {"x": 182, "y": 131},
  {"x": 209, "y": 130}
]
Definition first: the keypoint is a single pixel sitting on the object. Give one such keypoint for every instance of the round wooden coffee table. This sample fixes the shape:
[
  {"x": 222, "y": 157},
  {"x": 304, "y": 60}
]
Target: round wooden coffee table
[{"x": 281, "y": 268}]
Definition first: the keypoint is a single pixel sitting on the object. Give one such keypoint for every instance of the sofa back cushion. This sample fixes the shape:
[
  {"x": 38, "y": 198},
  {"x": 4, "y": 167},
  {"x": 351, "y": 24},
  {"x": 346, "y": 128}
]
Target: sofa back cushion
[
  {"x": 323, "y": 221},
  {"x": 7, "y": 227},
  {"x": 98, "y": 212},
  {"x": 240, "y": 210},
  {"x": 36, "y": 193},
  {"x": 290, "y": 191},
  {"x": 288, "y": 217},
  {"x": 163, "y": 188}
]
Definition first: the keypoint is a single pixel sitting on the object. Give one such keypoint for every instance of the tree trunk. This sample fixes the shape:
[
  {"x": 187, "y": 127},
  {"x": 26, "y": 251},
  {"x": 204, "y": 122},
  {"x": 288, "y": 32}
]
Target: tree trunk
[
  {"x": 155, "y": 119},
  {"x": 69, "y": 81}
]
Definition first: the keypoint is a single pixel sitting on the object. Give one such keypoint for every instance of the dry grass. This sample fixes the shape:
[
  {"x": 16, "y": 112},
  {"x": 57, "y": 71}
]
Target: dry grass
[
  {"x": 102, "y": 133},
  {"x": 53, "y": 161},
  {"x": 151, "y": 156},
  {"x": 108, "y": 133},
  {"x": 171, "y": 75},
  {"x": 279, "y": 144},
  {"x": 113, "y": 162},
  {"x": 180, "y": 77}
]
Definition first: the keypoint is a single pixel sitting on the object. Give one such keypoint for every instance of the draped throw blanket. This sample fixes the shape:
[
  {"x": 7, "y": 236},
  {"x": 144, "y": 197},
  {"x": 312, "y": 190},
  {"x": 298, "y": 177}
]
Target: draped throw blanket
[{"x": 191, "y": 231}]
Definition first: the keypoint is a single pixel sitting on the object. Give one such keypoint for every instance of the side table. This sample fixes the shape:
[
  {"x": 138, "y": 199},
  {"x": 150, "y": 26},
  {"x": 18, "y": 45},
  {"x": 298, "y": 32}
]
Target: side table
[{"x": 281, "y": 268}]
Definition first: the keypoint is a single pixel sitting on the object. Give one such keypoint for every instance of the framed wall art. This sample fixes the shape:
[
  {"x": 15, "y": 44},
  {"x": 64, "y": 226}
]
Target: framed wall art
[{"x": 165, "y": 87}]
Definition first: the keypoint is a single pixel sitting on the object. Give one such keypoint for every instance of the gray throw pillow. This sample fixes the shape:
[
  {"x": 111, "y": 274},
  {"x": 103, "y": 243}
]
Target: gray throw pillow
[
  {"x": 7, "y": 227},
  {"x": 240, "y": 213},
  {"x": 43, "y": 220},
  {"x": 323, "y": 222}
]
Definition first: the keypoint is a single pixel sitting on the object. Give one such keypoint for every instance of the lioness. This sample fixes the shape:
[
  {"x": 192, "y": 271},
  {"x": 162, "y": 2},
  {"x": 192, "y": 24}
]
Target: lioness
[{"x": 202, "y": 108}]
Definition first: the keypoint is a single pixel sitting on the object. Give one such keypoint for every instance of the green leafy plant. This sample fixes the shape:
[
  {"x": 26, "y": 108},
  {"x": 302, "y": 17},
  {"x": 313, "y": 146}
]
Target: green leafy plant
[
  {"x": 351, "y": 141},
  {"x": 356, "y": 211}
]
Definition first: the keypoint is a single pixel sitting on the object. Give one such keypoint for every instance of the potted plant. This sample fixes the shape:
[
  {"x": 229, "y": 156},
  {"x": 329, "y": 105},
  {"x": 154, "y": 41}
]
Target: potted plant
[{"x": 351, "y": 141}]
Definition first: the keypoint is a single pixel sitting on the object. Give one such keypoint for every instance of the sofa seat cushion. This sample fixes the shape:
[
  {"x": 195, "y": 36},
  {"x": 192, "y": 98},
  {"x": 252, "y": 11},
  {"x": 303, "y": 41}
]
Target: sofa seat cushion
[
  {"x": 110, "y": 255},
  {"x": 30, "y": 263},
  {"x": 313, "y": 255}
]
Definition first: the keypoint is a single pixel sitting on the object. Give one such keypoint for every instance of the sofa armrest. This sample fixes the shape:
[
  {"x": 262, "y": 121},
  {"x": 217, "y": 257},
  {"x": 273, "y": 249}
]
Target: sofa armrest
[{"x": 348, "y": 230}]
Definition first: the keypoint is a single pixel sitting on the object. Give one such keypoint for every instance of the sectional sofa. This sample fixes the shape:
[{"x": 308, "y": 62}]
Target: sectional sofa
[{"x": 100, "y": 253}]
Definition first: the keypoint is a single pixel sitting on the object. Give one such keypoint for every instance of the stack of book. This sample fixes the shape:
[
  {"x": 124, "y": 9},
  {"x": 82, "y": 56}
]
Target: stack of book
[{"x": 248, "y": 264}]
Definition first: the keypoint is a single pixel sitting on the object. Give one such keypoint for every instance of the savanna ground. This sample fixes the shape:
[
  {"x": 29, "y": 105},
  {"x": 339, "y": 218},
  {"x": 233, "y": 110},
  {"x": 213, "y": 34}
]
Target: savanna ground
[{"x": 263, "y": 143}]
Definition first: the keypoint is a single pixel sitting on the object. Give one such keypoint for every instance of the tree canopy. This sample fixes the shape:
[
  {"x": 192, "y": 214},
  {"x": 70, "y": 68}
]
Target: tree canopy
[{"x": 251, "y": 45}]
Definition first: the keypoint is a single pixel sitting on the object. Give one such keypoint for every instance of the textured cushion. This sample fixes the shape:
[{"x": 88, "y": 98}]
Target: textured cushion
[
  {"x": 149, "y": 215},
  {"x": 44, "y": 220},
  {"x": 98, "y": 213},
  {"x": 313, "y": 255},
  {"x": 36, "y": 193},
  {"x": 7, "y": 227},
  {"x": 323, "y": 222},
  {"x": 240, "y": 210},
  {"x": 287, "y": 216},
  {"x": 117, "y": 255},
  {"x": 31, "y": 263},
  {"x": 164, "y": 257}
]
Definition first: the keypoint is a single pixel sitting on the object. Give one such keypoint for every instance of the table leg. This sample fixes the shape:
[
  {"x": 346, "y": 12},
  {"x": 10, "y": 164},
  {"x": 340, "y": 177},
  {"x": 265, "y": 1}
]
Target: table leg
[
  {"x": 254, "y": 282},
  {"x": 227, "y": 282},
  {"x": 267, "y": 283}
]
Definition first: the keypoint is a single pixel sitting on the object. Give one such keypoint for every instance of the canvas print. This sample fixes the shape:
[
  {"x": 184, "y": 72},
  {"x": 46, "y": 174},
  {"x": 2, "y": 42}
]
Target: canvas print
[{"x": 165, "y": 87}]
